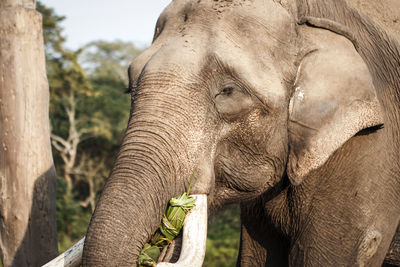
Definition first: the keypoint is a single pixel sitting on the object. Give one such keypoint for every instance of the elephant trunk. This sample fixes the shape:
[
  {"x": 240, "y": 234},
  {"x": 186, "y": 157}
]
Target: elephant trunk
[
  {"x": 148, "y": 172},
  {"x": 128, "y": 213}
]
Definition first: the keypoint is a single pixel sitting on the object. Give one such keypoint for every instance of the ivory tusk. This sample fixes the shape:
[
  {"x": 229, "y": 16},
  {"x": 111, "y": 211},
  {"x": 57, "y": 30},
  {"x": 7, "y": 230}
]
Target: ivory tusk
[
  {"x": 194, "y": 236},
  {"x": 70, "y": 258}
]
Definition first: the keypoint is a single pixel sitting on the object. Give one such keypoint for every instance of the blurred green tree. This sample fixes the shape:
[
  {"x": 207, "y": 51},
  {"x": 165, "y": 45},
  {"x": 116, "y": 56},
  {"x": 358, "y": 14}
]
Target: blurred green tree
[
  {"x": 223, "y": 238},
  {"x": 89, "y": 113}
]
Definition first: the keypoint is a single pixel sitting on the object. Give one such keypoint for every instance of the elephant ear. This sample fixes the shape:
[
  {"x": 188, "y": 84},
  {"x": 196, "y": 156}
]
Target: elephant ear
[{"x": 333, "y": 99}]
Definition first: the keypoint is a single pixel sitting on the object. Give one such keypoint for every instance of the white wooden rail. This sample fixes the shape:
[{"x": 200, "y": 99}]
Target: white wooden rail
[{"x": 70, "y": 258}]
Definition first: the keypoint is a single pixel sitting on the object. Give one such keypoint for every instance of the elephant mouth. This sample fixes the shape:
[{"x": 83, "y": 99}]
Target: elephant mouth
[{"x": 194, "y": 236}]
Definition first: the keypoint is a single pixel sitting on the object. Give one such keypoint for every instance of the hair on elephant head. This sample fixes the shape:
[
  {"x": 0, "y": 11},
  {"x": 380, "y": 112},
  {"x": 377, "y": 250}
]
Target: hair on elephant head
[{"x": 275, "y": 104}]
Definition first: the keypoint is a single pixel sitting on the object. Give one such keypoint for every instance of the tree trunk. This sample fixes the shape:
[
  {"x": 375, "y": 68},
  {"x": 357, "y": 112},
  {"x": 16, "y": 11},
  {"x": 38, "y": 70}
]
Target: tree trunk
[{"x": 27, "y": 175}]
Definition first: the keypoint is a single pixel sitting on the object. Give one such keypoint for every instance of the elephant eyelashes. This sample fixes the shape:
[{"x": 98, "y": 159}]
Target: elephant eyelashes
[{"x": 131, "y": 89}]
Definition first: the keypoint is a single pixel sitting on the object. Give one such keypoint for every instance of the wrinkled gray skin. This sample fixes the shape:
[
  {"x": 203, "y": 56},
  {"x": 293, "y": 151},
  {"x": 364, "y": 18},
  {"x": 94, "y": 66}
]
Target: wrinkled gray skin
[{"x": 276, "y": 104}]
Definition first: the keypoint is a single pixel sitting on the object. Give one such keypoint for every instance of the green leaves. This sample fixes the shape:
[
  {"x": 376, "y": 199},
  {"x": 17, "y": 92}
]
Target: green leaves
[
  {"x": 149, "y": 255},
  {"x": 171, "y": 225},
  {"x": 174, "y": 217},
  {"x": 184, "y": 202}
]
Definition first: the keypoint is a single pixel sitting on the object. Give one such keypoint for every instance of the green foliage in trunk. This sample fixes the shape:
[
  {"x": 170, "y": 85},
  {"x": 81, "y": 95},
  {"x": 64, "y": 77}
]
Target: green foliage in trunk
[{"x": 170, "y": 227}]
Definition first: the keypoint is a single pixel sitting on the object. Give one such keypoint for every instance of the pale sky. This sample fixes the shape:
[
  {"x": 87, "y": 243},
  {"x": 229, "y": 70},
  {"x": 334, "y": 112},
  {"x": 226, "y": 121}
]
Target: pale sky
[{"x": 90, "y": 20}]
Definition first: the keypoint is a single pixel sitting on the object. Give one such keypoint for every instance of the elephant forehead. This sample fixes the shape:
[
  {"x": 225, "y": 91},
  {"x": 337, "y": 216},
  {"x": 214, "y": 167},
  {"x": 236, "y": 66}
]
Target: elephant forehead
[
  {"x": 256, "y": 38},
  {"x": 254, "y": 20}
]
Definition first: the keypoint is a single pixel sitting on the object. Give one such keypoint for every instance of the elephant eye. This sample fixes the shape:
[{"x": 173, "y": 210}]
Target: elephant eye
[
  {"x": 232, "y": 103},
  {"x": 226, "y": 91}
]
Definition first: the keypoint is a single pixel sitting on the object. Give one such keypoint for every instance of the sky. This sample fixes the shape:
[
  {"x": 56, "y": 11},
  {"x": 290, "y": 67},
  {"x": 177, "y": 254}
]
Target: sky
[{"x": 90, "y": 20}]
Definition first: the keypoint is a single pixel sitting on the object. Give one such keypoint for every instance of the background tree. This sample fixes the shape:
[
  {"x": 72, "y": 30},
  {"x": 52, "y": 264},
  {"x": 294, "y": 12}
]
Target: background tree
[
  {"x": 27, "y": 176},
  {"x": 223, "y": 238},
  {"x": 89, "y": 113}
]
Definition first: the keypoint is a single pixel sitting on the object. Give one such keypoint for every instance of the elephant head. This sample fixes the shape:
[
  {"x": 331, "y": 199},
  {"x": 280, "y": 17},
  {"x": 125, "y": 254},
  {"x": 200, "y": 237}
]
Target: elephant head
[{"x": 237, "y": 92}]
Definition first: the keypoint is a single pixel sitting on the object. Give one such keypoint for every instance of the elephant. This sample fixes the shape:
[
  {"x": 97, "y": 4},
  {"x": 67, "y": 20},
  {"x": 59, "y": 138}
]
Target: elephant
[{"x": 289, "y": 107}]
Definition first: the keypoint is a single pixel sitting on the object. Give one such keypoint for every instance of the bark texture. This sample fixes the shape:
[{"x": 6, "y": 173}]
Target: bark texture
[
  {"x": 27, "y": 176},
  {"x": 18, "y": 3}
]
